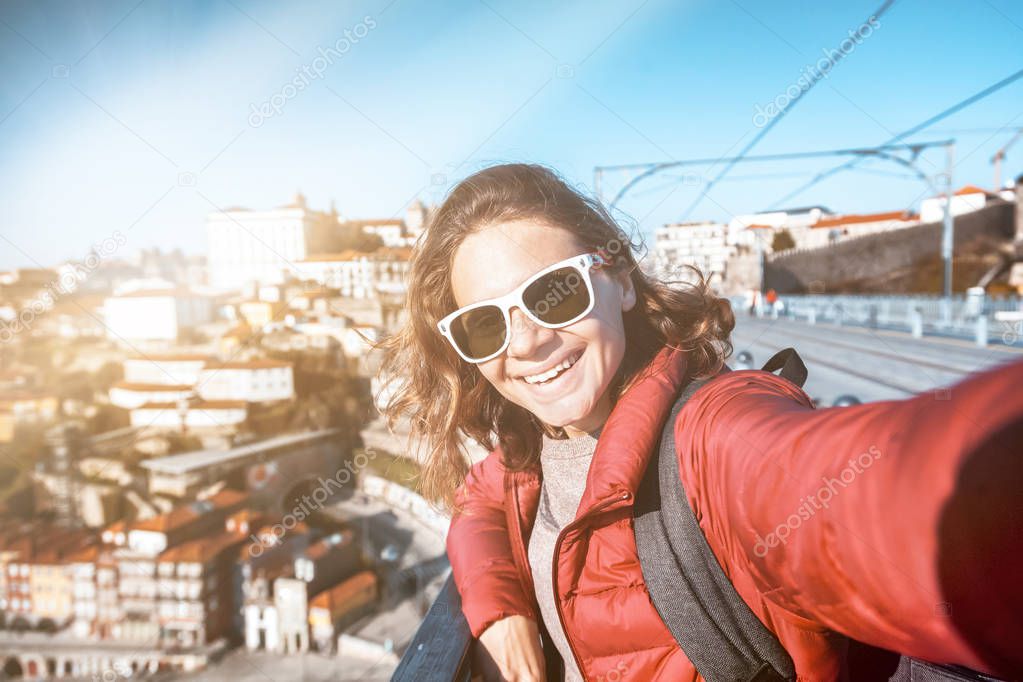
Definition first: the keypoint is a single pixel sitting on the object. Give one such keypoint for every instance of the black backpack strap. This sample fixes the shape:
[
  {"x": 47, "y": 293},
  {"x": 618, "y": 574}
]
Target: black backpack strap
[
  {"x": 919, "y": 670},
  {"x": 790, "y": 364},
  {"x": 719, "y": 633}
]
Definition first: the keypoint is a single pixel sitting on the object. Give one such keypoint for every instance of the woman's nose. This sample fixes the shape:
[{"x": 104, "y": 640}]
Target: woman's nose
[{"x": 525, "y": 334}]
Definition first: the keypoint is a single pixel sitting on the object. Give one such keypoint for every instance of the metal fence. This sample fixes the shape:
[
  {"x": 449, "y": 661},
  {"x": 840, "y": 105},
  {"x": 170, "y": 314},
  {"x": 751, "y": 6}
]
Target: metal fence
[{"x": 982, "y": 319}]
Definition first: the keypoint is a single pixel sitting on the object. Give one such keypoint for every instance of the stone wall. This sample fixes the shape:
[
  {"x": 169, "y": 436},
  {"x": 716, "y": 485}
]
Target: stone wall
[{"x": 876, "y": 256}]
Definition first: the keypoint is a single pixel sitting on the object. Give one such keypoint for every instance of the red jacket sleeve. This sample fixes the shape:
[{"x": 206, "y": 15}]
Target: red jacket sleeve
[
  {"x": 479, "y": 548},
  {"x": 898, "y": 523}
]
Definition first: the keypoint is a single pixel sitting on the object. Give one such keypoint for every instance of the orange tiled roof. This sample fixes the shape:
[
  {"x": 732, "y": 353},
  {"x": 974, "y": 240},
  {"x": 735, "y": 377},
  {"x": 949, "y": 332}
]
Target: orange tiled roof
[
  {"x": 394, "y": 252},
  {"x": 853, "y": 219},
  {"x": 133, "y": 386},
  {"x": 202, "y": 550},
  {"x": 44, "y": 544},
  {"x": 172, "y": 357},
  {"x": 326, "y": 545},
  {"x": 195, "y": 405},
  {"x": 344, "y": 591},
  {"x": 151, "y": 293},
  {"x": 263, "y": 363},
  {"x": 116, "y": 527},
  {"x": 186, "y": 514},
  {"x": 373, "y": 222},
  {"x": 346, "y": 255}
]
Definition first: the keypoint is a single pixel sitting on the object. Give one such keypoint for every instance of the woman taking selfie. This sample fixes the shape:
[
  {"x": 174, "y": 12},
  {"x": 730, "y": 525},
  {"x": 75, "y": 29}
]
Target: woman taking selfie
[{"x": 532, "y": 331}]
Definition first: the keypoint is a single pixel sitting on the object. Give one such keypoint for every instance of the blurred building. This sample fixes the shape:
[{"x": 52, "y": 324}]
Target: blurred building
[
  {"x": 789, "y": 219},
  {"x": 197, "y": 392},
  {"x": 268, "y": 466},
  {"x": 700, "y": 244},
  {"x": 204, "y": 417},
  {"x": 360, "y": 275},
  {"x": 136, "y": 560},
  {"x": 250, "y": 380},
  {"x": 417, "y": 218},
  {"x": 170, "y": 369},
  {"x": 248, "y": 246},
  {"x": 277, "y": 603},
  {"x": 156, "y": 315},
  {"x": 967, "y": 199},
  {"x": 195, "y": 588},
  {"x": 833, "y": 229},
  {"x": 390, "y": 230},
  {"x": 38, "y": 583},
  {"x": 335, "y": 608},
  {"x": 24, "y": 407}
]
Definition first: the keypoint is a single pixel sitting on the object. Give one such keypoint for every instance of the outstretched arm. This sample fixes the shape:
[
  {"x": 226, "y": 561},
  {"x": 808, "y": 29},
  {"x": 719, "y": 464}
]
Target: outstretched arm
[{"x": 897, "y": 523}]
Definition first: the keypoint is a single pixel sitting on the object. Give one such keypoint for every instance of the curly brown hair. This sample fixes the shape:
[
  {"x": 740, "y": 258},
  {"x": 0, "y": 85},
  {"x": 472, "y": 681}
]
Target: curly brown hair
[{"x": 448, "y": 399}]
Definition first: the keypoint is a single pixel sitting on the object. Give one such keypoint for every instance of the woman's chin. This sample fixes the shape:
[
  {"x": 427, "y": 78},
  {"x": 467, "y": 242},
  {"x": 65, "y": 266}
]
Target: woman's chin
[{"x": 561, "y": 418}]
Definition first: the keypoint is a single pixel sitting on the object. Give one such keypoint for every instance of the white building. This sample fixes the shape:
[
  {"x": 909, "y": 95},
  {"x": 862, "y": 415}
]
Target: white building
[
  {"x": 83, "y": 579},
  {"x": 261, "y": 627},
  {"x": 792, "y": 219},
  {"x": 206, "y": 415},
  {"x": 253, "y": 246},
  {"x": 130, "y": 395},
  {"x": 417, "y": 217},
  {"x": 701, "y": 244},
  {"x": 390, "y": 230},
  {"x": 291, "y": 601},
  {"x": 349, "y": 272},
  {"x": 251, "y": 380},
  {"x": 360, "y": 275},
  {"x": 159, "y": 315},
  {"x": 833, "y": 229},
  {"x": 171, "y": 369},
  {"x": 968, "y": 199}
]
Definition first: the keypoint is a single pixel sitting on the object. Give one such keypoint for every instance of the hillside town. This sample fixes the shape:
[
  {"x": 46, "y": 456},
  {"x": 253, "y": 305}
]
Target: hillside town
[{"x": 179, "y": 439}]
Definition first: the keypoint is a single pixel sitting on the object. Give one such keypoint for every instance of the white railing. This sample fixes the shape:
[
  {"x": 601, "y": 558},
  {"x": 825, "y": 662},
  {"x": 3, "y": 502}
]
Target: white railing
[
  {"x": 402, "y": 498},
  {"x": 974, "y": 316}
]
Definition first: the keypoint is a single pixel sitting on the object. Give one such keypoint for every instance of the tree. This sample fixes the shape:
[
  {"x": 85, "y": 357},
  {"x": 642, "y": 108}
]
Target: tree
[{"x": 782, "y": 241}]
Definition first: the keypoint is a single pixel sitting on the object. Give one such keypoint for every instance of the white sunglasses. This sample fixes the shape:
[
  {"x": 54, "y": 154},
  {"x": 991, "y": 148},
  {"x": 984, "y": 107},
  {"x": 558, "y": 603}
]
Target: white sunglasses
[{"x": 557, "y": 296}]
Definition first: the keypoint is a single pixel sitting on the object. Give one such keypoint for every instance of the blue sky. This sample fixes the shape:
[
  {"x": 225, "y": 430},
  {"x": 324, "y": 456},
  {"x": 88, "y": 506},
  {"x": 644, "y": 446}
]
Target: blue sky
[{"x": 136, "y": 116}]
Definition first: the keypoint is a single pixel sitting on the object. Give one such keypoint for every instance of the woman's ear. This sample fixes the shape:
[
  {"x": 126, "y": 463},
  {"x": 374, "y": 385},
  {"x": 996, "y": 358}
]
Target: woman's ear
[{"x": 628, "y": 290}]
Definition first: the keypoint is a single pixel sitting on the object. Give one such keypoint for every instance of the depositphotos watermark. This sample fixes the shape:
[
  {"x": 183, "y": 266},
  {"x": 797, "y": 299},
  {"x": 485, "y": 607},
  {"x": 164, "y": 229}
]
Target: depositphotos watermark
[
  {"x": 762, "y": 115},
  {"x": 809, "y": 505},
  {"x": 615, "y": 674},
  {"x": 1011, "y": 332},
  {"x": 312, "y": 502},
  {"x": 67, "y": 282},
  {"x": 310, "y": 72}
]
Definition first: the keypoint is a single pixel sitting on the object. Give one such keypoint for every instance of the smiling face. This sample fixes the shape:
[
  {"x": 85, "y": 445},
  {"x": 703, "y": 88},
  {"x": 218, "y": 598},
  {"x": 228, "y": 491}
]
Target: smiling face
[{"x": 560, "y": 375}]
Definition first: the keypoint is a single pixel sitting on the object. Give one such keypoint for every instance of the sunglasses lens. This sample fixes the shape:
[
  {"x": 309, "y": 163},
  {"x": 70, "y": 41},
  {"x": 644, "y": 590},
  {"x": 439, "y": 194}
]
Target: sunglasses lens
[
  {"x": 558, "y": 297},
  {"x": 479, "y": 332}
]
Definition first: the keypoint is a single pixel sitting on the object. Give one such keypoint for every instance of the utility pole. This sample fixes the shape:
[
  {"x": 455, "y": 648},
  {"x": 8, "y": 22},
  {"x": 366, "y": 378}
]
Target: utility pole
[
  {"x": 948, "y": 233},
  {"x": 999, "y": 157}
]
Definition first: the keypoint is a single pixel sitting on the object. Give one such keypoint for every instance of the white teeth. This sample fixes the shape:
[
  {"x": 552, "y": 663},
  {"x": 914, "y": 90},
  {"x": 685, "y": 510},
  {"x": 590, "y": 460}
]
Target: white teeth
[{"x": 553, "y": 371}]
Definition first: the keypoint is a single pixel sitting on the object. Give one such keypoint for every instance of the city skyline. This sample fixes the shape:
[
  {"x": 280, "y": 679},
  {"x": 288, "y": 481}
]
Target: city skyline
[{"x": 145, "y": 117}]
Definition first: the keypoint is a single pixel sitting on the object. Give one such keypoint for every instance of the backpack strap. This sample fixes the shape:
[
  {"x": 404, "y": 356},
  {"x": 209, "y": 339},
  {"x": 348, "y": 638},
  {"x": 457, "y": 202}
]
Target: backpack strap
[
  {"x": 791, "y": 365},
  {"x": 720, "y": 634}
]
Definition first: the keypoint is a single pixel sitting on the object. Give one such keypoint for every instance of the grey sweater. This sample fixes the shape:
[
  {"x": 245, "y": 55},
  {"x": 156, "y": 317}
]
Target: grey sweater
[{"x": 565, "y": 465}]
